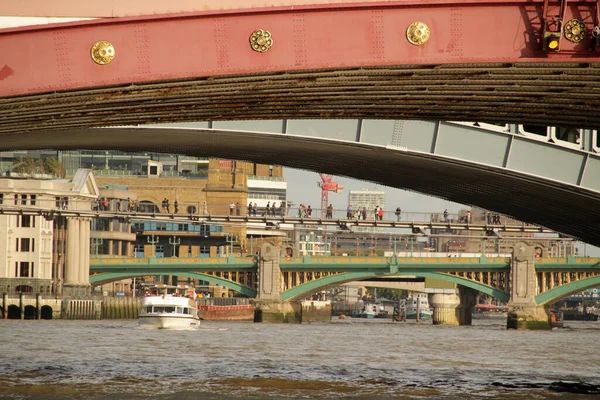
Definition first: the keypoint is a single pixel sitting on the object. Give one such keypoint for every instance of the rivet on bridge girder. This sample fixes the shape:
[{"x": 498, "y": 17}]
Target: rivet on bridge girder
[
  {"x": 417, "y": 33},
  {"x": 261, "y": 40},
  {"x": 103, "y": 52}
]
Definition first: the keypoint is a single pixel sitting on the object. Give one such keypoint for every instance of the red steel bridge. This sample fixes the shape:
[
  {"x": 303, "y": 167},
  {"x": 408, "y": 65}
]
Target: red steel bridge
[
  {"x": 490, "y": 61},
  {"x": 519, "y": 62}
]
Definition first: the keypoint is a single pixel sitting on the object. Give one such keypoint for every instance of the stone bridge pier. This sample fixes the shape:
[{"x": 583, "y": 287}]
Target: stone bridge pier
[
  {"x": 452, "y": 306},
  {"x": 268, "y": 306},
  {"x": 524, "y": 312}
]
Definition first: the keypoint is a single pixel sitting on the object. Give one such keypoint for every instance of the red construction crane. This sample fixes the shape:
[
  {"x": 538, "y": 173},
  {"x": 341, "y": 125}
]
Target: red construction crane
[{"x": 326, "y": 186}]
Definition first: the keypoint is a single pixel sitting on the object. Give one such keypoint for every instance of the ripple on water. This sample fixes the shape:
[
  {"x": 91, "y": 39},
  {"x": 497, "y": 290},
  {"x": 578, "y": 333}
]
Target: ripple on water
[{"x": 114, "y": 359}]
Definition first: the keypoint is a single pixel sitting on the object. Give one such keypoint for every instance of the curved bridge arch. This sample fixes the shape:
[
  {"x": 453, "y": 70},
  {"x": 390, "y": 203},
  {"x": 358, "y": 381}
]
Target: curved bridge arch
[
  {"x": 558, "y": 293},
  {"x": 106, "y": 277},
  {"x": 315, "y": 285},
  {"x": 562, "y": 206}
]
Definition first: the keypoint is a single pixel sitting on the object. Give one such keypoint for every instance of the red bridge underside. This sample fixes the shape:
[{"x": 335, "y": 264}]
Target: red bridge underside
[{"x": 319, "y": 40}]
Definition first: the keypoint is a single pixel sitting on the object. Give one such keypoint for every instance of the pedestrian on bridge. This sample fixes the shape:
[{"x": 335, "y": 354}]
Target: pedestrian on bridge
[
  {"x": 329, "y": 213},
  {"x": 398, "y": 213}
]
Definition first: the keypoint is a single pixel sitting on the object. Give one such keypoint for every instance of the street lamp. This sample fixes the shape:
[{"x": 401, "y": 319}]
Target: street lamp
[
  {"x": 153, "y": 242},
  {"x": 174, "y": 242}
]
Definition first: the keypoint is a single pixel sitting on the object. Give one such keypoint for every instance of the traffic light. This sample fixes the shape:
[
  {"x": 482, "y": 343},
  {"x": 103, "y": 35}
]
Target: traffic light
[{"x": 552, "y": 41}]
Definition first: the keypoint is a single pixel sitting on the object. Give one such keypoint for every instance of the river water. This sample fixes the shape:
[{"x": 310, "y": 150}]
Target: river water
[{"x": 343, "y": 359}]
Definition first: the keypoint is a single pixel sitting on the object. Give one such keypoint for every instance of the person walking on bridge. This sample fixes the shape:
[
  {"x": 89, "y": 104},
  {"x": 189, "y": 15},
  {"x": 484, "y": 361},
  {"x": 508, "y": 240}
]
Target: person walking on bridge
[
  {"x": 398, "y": 213},
  {"x": 329, "y": 213}
]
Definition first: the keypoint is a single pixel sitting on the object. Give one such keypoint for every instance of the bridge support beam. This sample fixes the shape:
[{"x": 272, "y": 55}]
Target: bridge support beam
[
  {"x": 452, "y": 306},
  {"x": 268, "y": 306},
  {"x": 524, "y": 312},
  {"x": 77, "y": 275}
]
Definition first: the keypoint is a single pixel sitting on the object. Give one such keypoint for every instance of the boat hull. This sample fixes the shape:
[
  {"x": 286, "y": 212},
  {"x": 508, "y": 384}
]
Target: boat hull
[
  {"x": 170, "y": 321},
  {"x": 422, "y": 315}
]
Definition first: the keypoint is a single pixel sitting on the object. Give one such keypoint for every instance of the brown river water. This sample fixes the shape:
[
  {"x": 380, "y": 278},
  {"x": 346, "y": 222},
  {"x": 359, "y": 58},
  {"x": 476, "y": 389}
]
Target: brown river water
[{"x": 343, "y": 359}]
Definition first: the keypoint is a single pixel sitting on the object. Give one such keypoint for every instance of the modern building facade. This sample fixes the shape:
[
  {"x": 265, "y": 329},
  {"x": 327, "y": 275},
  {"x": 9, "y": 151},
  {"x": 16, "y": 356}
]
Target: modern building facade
[{"x": 368, "y": 199}]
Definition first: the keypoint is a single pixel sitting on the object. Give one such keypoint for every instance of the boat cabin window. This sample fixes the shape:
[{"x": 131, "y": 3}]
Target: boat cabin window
[
  {"x": 149, "y": 309},
  {"x": 160, "y": 309}
]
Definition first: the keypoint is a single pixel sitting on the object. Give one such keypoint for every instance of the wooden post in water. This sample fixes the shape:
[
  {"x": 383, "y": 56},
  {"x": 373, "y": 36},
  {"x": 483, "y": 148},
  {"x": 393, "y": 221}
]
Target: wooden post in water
[
  {"x": 38, "y": 305},
  {"x": 418, "y": 309},
  {"x": 4, "y": 305}
]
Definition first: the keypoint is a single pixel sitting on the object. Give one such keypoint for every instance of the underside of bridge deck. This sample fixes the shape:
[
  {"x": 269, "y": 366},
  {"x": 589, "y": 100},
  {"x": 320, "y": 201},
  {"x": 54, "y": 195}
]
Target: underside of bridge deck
[
  {"x": 561, "y": 94},
  {"x": 563, "y": 208}
]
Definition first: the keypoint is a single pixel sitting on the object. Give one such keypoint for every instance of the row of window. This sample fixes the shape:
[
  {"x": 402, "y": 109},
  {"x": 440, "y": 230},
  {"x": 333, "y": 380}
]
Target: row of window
[
  {"x": 174, "y": 227},
  {"x": 169, "y": 309},
  {"x": 18, "y": 199},
  {"x": 160, "y": 250}
]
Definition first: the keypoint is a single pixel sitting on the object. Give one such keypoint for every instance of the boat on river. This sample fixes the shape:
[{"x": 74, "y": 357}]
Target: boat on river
[
  {"x": 418, "y": 303},
  {"x": 169, "y": 307},
  {"x": 489, "y": 311}
]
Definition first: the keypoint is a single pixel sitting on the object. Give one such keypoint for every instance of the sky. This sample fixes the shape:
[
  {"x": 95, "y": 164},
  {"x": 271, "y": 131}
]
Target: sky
[{"x": 302, "y": 188}]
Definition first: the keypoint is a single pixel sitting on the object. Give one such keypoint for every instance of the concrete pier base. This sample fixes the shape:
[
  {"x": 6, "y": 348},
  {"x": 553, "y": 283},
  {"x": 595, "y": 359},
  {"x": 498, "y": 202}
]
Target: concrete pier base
[
  {"x": 445, "y": 305},
  {"x": 532, "y": 317},
  {"x": 453, "y": 306},
  {"x": 278, "y": 312},
  {"x": 77, "y": 291}
]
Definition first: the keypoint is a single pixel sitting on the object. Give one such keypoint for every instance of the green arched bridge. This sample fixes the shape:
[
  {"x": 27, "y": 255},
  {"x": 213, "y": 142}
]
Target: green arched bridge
[{"x": 298, "y": 277}]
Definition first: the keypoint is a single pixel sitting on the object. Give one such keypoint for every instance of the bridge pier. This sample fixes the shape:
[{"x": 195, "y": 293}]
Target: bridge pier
[
  {"x": 452, "y": 306},
  {"x": 77, "y": 274},
  {"x": 268, "y": 306},
  {"x": 524, "y": 312}
]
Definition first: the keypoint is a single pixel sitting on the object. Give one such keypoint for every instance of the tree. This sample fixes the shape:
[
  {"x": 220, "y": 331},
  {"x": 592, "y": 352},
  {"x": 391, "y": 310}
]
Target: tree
[
  {"x": 29, "y": 166},
  {"x": 390, "y": 294}
]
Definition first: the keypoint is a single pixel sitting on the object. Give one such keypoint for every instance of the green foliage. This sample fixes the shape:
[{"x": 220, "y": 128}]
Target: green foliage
[
  {"x": 390, "y": 294},
  {"x": 48, "y": 166}
]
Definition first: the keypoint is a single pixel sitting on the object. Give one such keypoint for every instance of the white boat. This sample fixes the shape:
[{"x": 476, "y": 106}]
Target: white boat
[
  {"x": 418, "y": 302},
  {"x": 370, "y": 310},
  {"x": 169, "y": 307}
]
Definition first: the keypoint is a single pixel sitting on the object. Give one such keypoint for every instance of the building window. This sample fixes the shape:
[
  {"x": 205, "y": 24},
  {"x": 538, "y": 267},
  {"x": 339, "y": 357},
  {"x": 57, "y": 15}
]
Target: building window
[
  {"x": 16, "y": 199},
  {"x": 138, "y": 250},
  {"x": 26, "y": 221},
  {"x": 26, "y": 245},
  {"x": 33, "y": 199},
  {"x": 161, "y": 226},
  {"x": 23, "y": 199},
  {"x": 23, "y": 269},
  {"x": 1, "y": 198}
]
